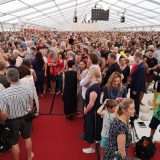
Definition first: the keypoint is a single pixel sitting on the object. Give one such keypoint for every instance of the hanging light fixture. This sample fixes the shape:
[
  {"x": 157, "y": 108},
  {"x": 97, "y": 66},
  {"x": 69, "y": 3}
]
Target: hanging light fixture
[{"x": 75, "y": 19}]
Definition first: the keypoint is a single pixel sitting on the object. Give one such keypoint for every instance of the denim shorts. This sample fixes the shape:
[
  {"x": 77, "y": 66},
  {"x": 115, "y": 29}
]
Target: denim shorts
[{"x": 104, "y": 141}]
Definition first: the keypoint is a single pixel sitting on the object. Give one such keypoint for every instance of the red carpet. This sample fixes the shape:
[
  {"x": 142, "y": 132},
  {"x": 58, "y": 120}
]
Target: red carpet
[
  {"x": 55, "y": 138},
  {"x": 45, "y": 103},
  {"x": 58, "y": 105}
]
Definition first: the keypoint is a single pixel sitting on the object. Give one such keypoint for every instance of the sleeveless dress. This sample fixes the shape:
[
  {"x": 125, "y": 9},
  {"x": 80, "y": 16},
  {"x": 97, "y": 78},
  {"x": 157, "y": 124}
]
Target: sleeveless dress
[
  {"x": 93, "y": 122},
  {"x": 70, "y": 92}
]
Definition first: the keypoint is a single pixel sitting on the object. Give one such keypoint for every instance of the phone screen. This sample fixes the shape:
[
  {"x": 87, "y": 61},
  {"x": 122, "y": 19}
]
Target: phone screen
[{"x": 141, "y": 124}]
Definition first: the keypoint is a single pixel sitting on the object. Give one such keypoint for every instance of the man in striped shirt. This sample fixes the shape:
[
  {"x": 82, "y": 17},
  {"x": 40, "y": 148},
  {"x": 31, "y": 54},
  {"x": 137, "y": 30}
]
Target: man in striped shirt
[{"x": 15, "y": 105}]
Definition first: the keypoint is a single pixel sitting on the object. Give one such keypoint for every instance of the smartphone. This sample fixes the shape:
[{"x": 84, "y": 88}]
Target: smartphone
[{"x": 142, "y": 125}]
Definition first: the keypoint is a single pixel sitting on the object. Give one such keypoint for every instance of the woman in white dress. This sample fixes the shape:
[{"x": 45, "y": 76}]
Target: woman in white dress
[
  {"x": 82, "y": 72},
  {"x": 27, "y": 78}
]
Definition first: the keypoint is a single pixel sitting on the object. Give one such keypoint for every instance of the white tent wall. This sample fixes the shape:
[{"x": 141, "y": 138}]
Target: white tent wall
[
  {"x": 85, "y": 27},
  {"x": 59, "y": 14},
  {"x": 82, "y": 27},
  {"x": 138, "y": 28},
  {"x": 19, "y": 27}
]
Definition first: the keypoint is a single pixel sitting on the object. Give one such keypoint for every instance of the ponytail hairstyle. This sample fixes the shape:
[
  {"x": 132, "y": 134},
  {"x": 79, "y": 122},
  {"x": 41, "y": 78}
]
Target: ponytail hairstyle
[
  {"x": 124, "y": 104},
  {"x": 97, "y": 73}
]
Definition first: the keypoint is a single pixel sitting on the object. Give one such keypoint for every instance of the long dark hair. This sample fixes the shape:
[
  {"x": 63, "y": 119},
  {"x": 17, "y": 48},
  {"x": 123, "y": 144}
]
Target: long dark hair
[
  {"x": 39, "y": 59},
  {"x": 24, "y": 71},
  {"x": 63, "y": 55}
]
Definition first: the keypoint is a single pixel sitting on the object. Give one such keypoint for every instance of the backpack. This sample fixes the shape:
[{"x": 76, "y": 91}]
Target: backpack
[{"x": 145, "y": 148}]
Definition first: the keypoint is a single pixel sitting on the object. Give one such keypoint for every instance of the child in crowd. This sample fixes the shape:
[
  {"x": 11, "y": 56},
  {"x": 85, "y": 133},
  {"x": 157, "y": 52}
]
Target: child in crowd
[{"x": 107, "y": 111}]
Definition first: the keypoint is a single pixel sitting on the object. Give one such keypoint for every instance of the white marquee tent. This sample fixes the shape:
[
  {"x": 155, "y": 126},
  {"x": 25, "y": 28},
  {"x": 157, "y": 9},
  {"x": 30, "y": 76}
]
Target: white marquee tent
[{"x": 141, "y": 15}]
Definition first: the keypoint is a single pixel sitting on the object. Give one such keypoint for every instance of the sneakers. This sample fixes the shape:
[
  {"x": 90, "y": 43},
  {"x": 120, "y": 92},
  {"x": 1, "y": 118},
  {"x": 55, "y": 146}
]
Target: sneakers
[{"x": 88, "y": 150}]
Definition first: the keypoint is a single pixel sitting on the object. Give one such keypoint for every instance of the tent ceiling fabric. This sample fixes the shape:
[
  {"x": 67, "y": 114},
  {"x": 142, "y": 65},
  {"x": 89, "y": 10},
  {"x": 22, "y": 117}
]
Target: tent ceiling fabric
[{"x": 59, "y": 13}]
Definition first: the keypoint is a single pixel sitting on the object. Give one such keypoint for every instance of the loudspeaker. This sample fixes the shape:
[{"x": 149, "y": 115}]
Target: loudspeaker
[
  {"x": 100, "y": 15},
  {"x": 75, "y": 19},
  {"x": 122, "y": 19}
]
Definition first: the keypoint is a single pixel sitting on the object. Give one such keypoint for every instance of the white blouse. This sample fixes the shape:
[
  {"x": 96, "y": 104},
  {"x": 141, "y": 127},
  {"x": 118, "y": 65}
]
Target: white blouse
[
  {"x": 28, "y": 80},
  {"x": 1, "y": 87}
]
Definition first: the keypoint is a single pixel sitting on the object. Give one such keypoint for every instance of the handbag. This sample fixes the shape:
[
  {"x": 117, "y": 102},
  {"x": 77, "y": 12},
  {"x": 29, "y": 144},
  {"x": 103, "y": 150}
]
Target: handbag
[
  {"x": 29, "y": 117},
  {"x": 5, "y": 131},
  {"x": 34, "y": 110},
  {"x": 145, "y": 148}
]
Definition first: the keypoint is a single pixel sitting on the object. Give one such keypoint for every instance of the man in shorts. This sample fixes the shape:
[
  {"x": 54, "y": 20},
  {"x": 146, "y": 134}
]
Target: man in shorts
[{"x": 15, "y": 105}]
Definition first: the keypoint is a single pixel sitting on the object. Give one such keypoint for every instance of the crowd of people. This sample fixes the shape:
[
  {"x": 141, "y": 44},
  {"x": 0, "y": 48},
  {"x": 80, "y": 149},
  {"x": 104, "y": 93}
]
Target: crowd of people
[{"x": 92, "y": 71}]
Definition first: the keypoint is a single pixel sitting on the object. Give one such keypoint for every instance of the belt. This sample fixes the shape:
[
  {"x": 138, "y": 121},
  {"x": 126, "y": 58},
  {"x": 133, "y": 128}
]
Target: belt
[{"x": 18, "y": 118}]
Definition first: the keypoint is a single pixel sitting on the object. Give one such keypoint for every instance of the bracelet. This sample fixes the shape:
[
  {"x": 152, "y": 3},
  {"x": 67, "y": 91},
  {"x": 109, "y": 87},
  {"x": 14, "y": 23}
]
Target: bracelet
[{"x": 123, "y": 157}]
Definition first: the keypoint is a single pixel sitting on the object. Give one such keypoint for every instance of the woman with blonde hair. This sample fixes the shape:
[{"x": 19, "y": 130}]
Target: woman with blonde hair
[
  {"x": 54, "y": 46},
  {"x": 119, "y": 134},
  {"x": 70, "y": 55},
  {"x": 114, "y": 88},
  {"x": 92, "y": 102}
]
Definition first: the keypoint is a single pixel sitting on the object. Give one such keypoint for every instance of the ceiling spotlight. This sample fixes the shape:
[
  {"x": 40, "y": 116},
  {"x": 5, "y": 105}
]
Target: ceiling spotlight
[{"x": 75, "y": 19}]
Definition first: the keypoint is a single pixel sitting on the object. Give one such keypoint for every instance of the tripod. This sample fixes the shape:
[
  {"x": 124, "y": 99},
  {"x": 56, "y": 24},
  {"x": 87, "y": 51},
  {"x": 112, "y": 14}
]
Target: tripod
[
  {"x": 53, "y": 100},
  {"x": 97, "y": 142}
]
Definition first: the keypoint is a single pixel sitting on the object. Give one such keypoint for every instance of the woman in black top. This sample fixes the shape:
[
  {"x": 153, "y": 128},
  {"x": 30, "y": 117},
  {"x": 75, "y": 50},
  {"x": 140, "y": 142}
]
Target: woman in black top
[
  {"x": 70, "y": 90},
  {"x": 92, "y": 103},
  {"x": 152, "y": 65},
  {"x": 125, "y": 70},
  {"x": 38, "y": 66}
]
